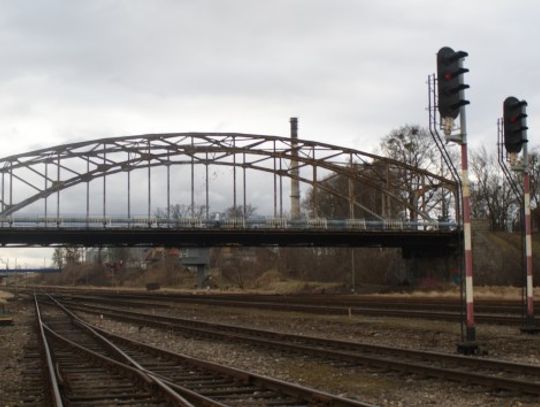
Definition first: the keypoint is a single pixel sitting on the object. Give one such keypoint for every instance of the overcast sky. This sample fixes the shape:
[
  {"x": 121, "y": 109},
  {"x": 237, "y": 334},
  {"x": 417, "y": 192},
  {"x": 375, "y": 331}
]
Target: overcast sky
[{"x": 351, "y": 70}]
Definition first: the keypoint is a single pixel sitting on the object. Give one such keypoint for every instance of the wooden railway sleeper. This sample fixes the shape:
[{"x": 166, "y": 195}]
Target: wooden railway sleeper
[
  {"x": 169, "y": 394},
  {"x": 315, "y": 398},
  {"x": 474, "y": 363}
]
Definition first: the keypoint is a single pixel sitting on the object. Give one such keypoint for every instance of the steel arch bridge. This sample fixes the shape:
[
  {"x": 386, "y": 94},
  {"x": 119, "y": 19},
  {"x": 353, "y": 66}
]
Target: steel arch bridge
[{"x": 377, "y": 192}]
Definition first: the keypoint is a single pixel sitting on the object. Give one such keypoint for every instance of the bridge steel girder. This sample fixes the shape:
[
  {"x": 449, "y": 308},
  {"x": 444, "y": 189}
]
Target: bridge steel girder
[
  {"x": 83, "y": 162},
  {"x": 420, "y": 243}
]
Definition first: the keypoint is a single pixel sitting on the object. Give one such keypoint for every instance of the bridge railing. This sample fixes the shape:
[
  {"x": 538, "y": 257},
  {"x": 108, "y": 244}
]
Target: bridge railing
[
  {"x": 390, "y": 225},
  {"x": 7, "y": 271}
]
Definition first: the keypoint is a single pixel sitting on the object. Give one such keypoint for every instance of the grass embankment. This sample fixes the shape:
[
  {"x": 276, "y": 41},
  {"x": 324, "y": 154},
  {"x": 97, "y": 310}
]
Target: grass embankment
[
  {"x": 480, "y": 292},
  {"x": 4, "y": 295}
]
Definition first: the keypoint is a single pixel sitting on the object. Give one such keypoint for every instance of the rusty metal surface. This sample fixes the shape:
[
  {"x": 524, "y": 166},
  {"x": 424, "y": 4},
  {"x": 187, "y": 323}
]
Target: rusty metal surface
[
  {"x": 37, "y": 175},
  {"x": 423, "y": 243},
  {"x": 200, "y": 382},
  {"x": 492, "y": 373}
]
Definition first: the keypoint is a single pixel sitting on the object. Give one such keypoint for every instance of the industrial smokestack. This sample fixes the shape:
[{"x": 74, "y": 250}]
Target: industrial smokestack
[{"x": 295, "y": 183}]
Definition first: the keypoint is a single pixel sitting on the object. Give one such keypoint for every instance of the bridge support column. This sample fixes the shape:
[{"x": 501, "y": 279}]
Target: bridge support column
[
  {"x": 202, "y": 274},
  {"x": 425, "y": 269},
  {"x": 198, "y": 258}
]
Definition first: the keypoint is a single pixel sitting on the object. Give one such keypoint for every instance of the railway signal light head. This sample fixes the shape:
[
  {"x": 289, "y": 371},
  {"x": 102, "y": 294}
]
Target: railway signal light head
[
  {"x": 514, "y": 124},
  {"x": 450, "y": 82}
]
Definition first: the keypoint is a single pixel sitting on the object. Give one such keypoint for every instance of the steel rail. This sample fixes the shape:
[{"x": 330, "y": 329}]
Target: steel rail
[
  {"x": 325, "y": 299},
  {"x": 472, "y": 362},
  {"x": 114, "y": 364},
  {"x": 313, "y": 397},
  {"x": 122, "y": 355},
  {"x": 159, "y": 301},
  {"x": 54, "y": 388},
  {"x": 334, "y": 349},
  {"x": 164, "y": 389},
  {"x": 331, "y": 309},
  {"x": 168, "y": 299},
  {"x": 325, "y": 303},
  {"x": 172, "y": 387}
]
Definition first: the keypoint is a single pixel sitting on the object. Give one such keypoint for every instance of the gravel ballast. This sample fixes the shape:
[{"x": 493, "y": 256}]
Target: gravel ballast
[{"x": 357, "y": 382}]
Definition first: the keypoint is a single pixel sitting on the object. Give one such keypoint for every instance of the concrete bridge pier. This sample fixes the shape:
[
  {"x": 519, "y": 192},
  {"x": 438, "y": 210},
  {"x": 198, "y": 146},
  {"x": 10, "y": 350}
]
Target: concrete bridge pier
[
  {"x": 202, "y": 274},
  {"x": 430, "y": 270},
  {"x": 198, "y": 257}
]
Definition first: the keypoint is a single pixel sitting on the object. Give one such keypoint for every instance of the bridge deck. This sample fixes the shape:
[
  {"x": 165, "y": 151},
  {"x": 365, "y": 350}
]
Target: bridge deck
[{"x": 428, "y": 242}]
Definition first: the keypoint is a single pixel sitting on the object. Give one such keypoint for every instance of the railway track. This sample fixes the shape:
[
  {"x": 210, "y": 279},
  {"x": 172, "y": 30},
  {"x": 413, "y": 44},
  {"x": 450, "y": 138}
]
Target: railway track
[
  {"x": 184, "y": 380},
  {"x": 480, "y": 371},
  {"x": 488, "y": 306},
  {"x": 77, "y": 375},
  {"x": 32, "y": 391},
  {"x": 344, "y": 300},
  {"x": 488, "y": 311},
  {"x": 392, "y": 309}
]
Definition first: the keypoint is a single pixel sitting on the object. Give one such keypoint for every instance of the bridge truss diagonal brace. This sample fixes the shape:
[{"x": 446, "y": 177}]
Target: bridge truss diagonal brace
[{"x": 153, "y": 150}]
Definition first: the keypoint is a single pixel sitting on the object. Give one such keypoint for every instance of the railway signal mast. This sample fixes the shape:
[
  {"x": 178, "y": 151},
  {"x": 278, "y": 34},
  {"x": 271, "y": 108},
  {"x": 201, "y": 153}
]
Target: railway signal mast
[
  {"x": 451, "y": 105},
  {"x": 514, "y": 127}
]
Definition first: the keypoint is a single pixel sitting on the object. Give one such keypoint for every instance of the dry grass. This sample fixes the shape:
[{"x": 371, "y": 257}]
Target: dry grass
[
  {"x": 480, "y": 292},
  {"x": 4, "y": 296},
  {"x": 347, "y": 384},
  {"x": 273, "y": 282}
]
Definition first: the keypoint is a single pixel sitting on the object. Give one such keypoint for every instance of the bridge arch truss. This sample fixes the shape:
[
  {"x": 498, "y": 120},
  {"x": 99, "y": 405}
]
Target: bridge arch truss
[{"x": 43, "y": 175}]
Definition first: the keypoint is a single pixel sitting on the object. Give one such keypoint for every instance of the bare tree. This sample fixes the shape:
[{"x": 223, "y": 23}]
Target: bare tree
[
  {"x": 413, "y": 145},
  {"x": 58, "y": 257},
  {"x": 72, "y": 255},
  {"x": 178, "y": 211},
  {"x": 370, "y": 199},
  {"x": 67, "y": 256},
  {"x": 534, "y": 168},
  {"x": 491, "y": 195},
  {"x": 240, "y": 212}
]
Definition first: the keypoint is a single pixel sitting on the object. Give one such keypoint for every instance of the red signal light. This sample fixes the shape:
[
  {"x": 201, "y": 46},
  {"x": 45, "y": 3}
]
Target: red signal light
[
  {"x": 515, "y": 124},
  {"x": 450, "y": 83}
]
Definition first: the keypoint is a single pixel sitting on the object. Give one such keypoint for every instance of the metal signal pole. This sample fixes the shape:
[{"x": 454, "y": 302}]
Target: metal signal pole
[
  {"x": 528, "y": 243},
  {"x": 451, "y": 104},
  {"x": 467, "y": 237},
  {"x": 514, "y": 126},
  {"x": 530, "y": 324}
]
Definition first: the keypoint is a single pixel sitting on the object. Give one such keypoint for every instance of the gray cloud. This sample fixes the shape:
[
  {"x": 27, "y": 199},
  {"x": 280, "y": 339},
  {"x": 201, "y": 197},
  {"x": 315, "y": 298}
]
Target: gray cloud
[{"x": 351, "y": 70}]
